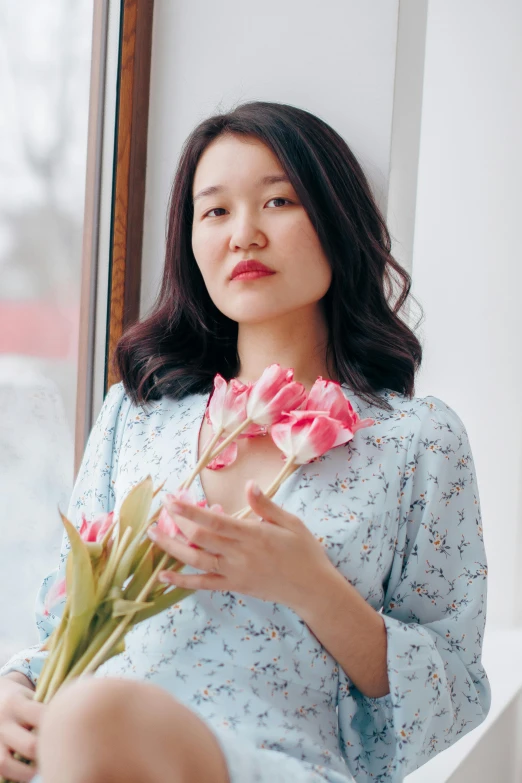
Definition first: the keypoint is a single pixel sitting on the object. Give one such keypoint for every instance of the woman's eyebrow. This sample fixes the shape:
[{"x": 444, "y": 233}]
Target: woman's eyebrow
[{"x": 270, "y": 179}]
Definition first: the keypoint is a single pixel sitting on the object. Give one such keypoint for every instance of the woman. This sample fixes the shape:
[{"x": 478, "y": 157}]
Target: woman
[{"x": 343, "y": 640}]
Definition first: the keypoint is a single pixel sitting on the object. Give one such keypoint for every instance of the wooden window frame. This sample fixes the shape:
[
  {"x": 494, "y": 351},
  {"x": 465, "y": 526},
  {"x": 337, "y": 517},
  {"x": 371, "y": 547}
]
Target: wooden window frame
[{"x": 128, "y": 196}]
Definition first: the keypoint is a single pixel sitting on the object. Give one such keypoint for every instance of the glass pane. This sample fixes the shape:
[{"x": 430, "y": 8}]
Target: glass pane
[{"x": 45, "y": 51}]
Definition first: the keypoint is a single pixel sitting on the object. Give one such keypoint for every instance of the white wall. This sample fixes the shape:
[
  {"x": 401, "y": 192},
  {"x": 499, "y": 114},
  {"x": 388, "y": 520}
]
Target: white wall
[
  {"x": 454, "y": 205},
  {"x": 436, "y": 125},
  {"x": 335, "y": 59},
  {"x": 467, "y": 265}
]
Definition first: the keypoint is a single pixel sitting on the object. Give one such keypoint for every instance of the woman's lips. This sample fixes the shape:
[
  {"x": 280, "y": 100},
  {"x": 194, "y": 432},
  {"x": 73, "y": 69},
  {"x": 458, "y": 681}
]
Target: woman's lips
[{"x": 252, "y": 275}]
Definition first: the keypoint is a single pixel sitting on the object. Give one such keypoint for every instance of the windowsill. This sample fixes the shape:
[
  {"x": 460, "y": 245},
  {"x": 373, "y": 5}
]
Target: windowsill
[{"x": 502, "y": 655}]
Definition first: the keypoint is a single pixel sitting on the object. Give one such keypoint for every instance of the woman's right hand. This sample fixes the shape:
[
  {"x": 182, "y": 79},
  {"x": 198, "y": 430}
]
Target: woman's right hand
[{"x": 18, "y": 714}]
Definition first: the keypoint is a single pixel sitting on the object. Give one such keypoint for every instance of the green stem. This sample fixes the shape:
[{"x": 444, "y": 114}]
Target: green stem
[
  {"x": 239, "y": 429},
  {"x": 209, "y": 455},
  {"x": 90, "y": 652},
  {"x": 203, "y": 460},
  {"x": 115, "y": 637},
  {"x": 47, "y": 669},
  {"x": 287, "y": 469}
]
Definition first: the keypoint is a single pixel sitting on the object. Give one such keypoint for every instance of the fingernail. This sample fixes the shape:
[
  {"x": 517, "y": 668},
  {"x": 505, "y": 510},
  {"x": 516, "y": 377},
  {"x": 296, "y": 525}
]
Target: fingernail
[
  {"x": 164, "y": 578},
  {"x": 255, "y": 489},
  {"x": 152, "y": 534}
]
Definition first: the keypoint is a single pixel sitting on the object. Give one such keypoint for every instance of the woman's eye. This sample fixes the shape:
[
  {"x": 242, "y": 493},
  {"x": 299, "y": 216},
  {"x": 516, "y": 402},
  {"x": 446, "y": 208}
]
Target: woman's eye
[
  {"x": 277, "y": 198},
  {"x": 216, "y": 209}
]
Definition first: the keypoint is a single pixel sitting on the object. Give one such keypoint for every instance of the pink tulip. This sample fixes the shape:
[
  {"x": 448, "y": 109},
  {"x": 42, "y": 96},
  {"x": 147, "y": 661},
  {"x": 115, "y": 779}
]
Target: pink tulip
[
  {"x": 93, "y": 532},
  {"x": 55, "y": 593},
  {"x": 273, "y": 394},
  {"x": 227, "y": 407},
  {"x": 185, "y": 495},
  {"x": 328, "y": 396},
  {"x": 225, "y": 458},
  {"x": 304, "y": 435},
  {"x": 166, "y": 524}
]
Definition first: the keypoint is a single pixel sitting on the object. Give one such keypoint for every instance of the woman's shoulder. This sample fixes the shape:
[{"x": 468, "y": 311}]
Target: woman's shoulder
[
  {"x": 119, "y": 411},
  {"x": 117, "y": 398},
  {"x": 427, "y": 416},
  {"x": 116, "y": 405}
]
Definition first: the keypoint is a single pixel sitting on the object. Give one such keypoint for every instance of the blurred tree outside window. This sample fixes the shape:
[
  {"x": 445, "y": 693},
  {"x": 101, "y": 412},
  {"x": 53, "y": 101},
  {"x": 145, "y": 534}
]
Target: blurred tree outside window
[{"x": 45, "y": 52}]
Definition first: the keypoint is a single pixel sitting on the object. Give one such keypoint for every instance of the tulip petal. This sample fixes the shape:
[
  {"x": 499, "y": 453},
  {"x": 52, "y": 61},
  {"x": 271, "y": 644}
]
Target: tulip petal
[
  {"x": 225, "y": 458},
  {"x": 274, "y": 393},
  {"x": 216, "y": 403},
  {"x": 227, "y": 406},
  {"x": 305, "y": 435},
  {"x": 363, "y": 423},
  {"x": 56, "y": 593},
  {"x": 328, "y": 396}
]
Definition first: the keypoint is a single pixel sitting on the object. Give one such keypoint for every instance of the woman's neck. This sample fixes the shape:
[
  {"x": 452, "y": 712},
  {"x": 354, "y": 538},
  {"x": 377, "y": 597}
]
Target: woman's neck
[{"x": 297, "y": 342}]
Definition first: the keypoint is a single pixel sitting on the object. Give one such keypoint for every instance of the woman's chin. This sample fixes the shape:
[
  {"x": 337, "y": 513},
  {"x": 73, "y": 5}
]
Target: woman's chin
[{"x": 250, "y": 314}]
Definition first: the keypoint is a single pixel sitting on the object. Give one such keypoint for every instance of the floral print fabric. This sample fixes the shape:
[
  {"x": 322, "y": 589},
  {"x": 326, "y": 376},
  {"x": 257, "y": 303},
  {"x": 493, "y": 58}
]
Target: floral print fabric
[{"x": 397, "y": 509}]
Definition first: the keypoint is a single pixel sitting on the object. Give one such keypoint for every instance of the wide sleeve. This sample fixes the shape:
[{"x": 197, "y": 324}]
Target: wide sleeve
[
  {"x": 93, "y": 493},
  {"x": 434, "y": 611}
]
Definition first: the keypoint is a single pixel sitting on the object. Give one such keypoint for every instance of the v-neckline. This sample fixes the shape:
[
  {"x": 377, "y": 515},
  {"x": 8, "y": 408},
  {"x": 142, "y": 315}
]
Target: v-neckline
[
  {"x": 202, "y": 401},
  {"x": 201, "y": 407}
]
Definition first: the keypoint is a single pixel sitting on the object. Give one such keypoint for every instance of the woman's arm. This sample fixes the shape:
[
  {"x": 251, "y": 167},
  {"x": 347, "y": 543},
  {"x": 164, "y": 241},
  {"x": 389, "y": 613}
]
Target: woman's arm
[
  {"x": 434, "y": 610},
  {"x": 92, "y": 494},
  {"x": 350, "y": 629},
  {"x": 20, "y": 678}
]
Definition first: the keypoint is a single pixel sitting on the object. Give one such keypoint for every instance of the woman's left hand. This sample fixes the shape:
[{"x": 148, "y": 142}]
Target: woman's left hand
[{"x": 275, "y": 558}]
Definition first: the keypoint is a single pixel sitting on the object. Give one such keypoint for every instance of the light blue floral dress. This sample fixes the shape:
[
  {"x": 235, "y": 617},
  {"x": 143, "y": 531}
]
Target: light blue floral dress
[{"x": 397, "y": 510}]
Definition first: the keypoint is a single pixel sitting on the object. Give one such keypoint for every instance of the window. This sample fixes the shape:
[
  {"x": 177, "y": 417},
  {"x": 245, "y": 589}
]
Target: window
[{"x": 45, "y": 53}]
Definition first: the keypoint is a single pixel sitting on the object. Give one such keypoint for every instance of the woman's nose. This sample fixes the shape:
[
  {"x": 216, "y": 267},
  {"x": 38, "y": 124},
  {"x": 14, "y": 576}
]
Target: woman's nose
[{"x": 246, "y": 231}]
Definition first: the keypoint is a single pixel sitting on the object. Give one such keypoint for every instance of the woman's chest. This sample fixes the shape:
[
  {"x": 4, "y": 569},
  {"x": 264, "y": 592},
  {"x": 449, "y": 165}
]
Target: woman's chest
[
  {"x": 349, "y": 497},
  {"x": 257, "y": 458}
]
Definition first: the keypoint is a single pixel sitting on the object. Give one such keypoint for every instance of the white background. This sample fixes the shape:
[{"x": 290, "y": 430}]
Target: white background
[{"x": 338, "y": 60}]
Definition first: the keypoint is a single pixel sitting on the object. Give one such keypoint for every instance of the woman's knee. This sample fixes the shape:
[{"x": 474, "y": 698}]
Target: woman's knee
[
  {"x": 138, "y": 724},
  {"x": 81, "y": 699},
  {"x": 87, "y": 714}
]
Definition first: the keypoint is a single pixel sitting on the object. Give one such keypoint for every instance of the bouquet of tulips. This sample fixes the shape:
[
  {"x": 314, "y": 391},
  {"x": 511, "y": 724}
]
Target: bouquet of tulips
[{"x": 111, "y": 572}]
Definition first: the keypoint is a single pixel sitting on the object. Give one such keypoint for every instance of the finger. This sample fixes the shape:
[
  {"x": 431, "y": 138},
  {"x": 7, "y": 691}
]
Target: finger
[
  {"x": 15, "y": 770},
  {"x": 198, "y": 536},
  {"x": 197, "y": 558},
  {"x": 20, "y": 740},
  {"x": 221, "y": 524},
  {"x": 195, "y": 581},
  {"x": 268, "y": 510},
  {"x": 28, "y": 711}
]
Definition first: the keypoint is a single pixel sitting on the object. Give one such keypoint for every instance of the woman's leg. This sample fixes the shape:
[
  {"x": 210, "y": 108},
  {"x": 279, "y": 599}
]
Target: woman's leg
[{"x": 110, "y": 730}]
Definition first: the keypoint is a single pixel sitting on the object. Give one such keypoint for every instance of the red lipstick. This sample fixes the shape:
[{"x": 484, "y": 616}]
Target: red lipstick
[{"x": 249, "y": 269}]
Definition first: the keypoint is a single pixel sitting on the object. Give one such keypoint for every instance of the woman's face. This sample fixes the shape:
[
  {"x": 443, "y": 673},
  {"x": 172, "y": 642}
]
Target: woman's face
[{"x": 250, "y": 219}]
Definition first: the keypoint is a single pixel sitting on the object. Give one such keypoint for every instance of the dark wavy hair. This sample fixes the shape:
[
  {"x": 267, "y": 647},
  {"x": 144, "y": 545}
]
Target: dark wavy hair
[{"x": 178, "y": 348}]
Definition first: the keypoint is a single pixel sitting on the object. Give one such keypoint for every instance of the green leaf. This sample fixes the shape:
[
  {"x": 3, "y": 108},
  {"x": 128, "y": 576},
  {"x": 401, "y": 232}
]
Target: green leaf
[
  {"x": 117, "y": 649},
  {"x": 163, "y": 602},
  {"x": 133, "y": 514},
  {"x": 140, "y": 552},
  {"x": 80, "y": 587},
  {"x": 135, "y": 507},
  {"x": 122, "y": 607},
  {"x": 79, "y": 577},
  {"x": 107, "y": 575},
  {"x": 94, "y": 549},
  {"x": 95, "y": 644},
  {"x": 142, "y": 573}
]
